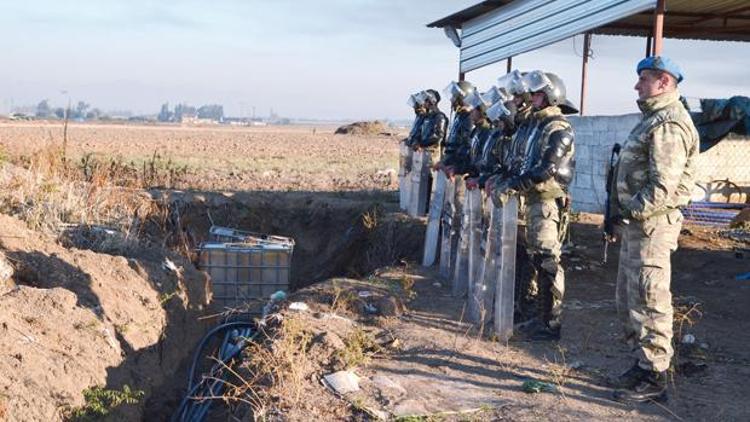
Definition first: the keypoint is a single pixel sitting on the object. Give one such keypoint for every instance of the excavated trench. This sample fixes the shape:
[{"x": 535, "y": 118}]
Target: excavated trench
[
  {"x": 336, "y": 235},
  {"x": 156, "y": 314}
]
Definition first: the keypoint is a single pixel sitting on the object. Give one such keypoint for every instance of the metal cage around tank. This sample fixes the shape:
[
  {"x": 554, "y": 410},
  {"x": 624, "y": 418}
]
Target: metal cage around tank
[{"x": 244, "y": 265}]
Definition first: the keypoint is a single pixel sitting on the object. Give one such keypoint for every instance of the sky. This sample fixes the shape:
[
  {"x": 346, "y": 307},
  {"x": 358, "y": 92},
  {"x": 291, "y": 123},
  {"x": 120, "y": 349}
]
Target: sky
[{"x": 325, "y": 59}]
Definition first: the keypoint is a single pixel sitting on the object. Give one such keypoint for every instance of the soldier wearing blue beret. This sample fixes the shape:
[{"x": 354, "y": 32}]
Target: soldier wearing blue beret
[{"x": 653, "y": 178}]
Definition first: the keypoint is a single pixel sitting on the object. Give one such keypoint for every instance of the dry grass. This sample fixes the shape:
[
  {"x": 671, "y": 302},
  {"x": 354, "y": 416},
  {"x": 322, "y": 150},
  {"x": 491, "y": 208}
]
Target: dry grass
[
  {"x": 274, "y": 370},
  {"x": 54, "y": 195},
  {"x": 224, "y": 158},
  {"x": 344, "y": 300},
  {"x": 359, "y": 348}
]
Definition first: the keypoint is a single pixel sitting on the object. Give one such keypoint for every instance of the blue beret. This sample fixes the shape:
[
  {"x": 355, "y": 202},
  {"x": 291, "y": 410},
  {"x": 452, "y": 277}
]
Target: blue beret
[{"x": 665, "y": 64}]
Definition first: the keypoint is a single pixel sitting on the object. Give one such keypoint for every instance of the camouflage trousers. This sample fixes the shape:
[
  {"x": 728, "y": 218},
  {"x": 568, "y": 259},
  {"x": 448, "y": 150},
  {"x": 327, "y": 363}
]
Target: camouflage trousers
[
  {"x": 644, "y": 300},
  {"x": 543, "y": 243}
]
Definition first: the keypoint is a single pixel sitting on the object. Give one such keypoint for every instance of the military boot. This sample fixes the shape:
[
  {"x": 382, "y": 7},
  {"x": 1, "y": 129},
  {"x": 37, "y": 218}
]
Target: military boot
[
  {"x": 629, "y": 378},
  {"x": 541, "y": 331},
  {"x": 649, "y": 386},
  {"x": 548, "y": 327}
]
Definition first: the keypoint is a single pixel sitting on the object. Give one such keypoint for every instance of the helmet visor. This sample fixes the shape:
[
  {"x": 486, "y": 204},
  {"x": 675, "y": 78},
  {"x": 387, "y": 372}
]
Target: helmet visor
[
  {"x": 413, "y": 101},
  {"x": 497, "y": 111},
  {"x": 453, "y": 91},
  {"x": 536, "y": 81},
  {"x": 475, "y": 100},
  {"x": 425, "y": 96},
  {"x": 494, "y": 95},
  {"x": 511, "y": 83}
]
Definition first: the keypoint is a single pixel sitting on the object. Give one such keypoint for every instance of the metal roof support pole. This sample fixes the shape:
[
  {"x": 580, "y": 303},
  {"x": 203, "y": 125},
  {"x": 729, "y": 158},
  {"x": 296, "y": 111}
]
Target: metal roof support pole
[
  {"x": 648, "y": 45},
  {"x": 510, "y": 64},
  {"x": 659, "y": 26},
  {"x": 585, "y": 68},
  {"x": 461, "y": 76}
]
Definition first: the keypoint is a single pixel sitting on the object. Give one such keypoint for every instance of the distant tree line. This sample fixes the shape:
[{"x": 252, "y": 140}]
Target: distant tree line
[
  {"x": 184, "y": 111},
  {"x": 82, "y": 110}
]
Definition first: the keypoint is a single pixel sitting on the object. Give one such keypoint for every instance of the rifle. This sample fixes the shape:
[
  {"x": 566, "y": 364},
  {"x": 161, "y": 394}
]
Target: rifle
[{"x": 609, "y": 227}]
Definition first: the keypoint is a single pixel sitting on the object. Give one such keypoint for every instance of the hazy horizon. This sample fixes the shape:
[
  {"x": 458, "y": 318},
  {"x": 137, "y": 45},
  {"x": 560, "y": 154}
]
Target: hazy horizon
[{"x": 331, "y": 60}]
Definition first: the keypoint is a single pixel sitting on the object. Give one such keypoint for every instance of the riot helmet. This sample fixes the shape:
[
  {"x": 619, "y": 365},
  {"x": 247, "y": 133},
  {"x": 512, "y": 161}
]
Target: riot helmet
[
  {"x": 415, "y": 100},
  {"x": 512, "y": 83},
  {"x": 553, "y": 88},
  {"x": 431, "y": 97},
  {"x": 457, "y": 91}
]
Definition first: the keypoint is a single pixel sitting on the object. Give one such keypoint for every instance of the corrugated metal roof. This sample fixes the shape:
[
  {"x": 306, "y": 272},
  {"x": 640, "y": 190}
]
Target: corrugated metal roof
[
  {"x": 719, "y": 20},
  {"x": 495, "y": 29},
  {"x": 457, "y": 19},
  {"x": 526, "y": 25}
]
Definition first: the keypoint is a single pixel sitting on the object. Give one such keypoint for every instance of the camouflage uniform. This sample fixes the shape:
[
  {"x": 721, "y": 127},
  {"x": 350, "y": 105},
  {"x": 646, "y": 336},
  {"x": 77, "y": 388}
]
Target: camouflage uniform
[
  {"x": 541, "y": 139},
  {"x": 653, "y": 178}
]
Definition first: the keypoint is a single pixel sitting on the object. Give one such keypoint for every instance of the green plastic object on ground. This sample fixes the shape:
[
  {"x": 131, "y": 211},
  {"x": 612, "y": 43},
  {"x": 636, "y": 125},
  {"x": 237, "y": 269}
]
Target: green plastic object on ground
[{"x": 534, "y": 386}]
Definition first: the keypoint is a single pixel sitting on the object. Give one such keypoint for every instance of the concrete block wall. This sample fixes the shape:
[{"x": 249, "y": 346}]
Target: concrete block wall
[{"x": 595, "y": 136}]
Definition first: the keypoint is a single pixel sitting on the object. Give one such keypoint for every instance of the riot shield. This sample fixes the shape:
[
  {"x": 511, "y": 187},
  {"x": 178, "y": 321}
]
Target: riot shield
[
  {"x": 506, "y": 277},
  {"x": 471, "y": 215},
  {"x": 483, "y": 290},
  {"x": 433, "y": 220},
  {"x": 446, "y": 222},
  {"x": 404, "y": 176},
  {"x": 420, "y": 188},
  {"x": 476, "y": 252}
]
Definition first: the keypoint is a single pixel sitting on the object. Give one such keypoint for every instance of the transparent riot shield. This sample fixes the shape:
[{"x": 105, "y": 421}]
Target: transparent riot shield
[
  {"x": 404, "y": 176},
  {"x": 446, "y": 223},
  {"x": 433, "y": 220},
  {"x": 420, "y": 188},
  {"x": 506, "y": 277},
  {"x": 483, "y": 290},
  {"x": 471, "y": 214},
  {"x": 476, "y": 253}
]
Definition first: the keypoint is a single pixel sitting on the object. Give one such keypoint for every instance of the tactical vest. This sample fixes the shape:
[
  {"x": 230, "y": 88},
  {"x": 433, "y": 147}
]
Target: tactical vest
[
  {"x": 459, "y": 138},
  {"x": 433, "y": 129},
  {"x": 479, "y": 138},
  {"x": 527, "y": 148},
  {"x": 415, "y": 133}
]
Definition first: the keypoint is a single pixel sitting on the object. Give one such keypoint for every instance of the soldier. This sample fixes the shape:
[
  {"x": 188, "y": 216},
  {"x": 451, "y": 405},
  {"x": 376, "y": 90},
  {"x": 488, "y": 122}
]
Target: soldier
[
  {"x": 653, "y": 178},
  {"x": 432, "y": 134},
  {"x": 455, "y": 152},
  {"x": 468, "y": 257},
  {"x": 416, "y": 102},
  {"x": 434, "y": 124},
  {"x": 541, "y": 167},
  {"x": 501, "y": 115},
  {"x": 491, "y": 133},
  {"x": 456, "y": 149},
  {"x": 469, "y": 165}
]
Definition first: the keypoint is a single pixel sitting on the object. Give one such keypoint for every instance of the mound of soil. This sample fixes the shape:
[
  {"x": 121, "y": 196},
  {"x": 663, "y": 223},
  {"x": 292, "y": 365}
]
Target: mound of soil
[
  {"x": 74, "y": 319},
  {"x": 363, "y": 128}
]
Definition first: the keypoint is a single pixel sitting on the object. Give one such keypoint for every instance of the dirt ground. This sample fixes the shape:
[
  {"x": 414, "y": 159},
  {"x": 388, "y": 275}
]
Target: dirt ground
[
  {"x": 74, "y": 319},
  {"x": 441, "y": 369}
]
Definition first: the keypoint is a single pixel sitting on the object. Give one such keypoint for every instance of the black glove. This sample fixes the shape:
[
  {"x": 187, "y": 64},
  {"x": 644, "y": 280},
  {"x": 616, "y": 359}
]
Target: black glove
[{"x": 612, "y": 224}]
